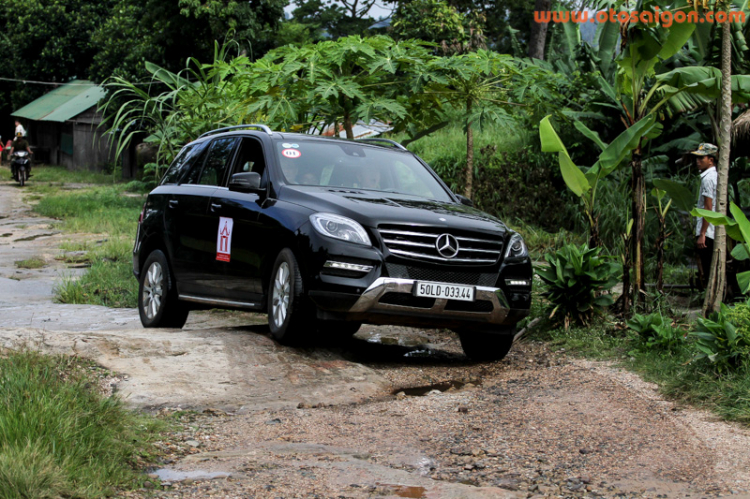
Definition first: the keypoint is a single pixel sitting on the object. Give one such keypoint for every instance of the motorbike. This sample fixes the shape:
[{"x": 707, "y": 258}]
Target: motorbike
[{"x": 20, "y": 165}]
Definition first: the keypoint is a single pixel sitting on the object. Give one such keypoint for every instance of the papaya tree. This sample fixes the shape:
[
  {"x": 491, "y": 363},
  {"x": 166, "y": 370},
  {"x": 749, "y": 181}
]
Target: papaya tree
[{"x": 337, "y": 82}]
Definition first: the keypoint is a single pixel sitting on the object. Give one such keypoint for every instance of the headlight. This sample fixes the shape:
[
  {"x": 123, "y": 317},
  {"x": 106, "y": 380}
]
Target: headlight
[
  {"x": 516, "y": 247},
  {"x": 340, "y": 227}
]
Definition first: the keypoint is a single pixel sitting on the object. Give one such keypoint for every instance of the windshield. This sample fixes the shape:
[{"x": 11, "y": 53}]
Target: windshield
[{"x": 356, "y": 166}]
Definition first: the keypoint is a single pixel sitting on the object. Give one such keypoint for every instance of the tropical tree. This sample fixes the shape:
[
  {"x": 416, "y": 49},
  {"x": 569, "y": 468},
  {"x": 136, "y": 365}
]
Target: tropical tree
[
  {"x": 584, "y": 182},
  {"x": 339, "y": 82},
  {"x": 437, "y": 21},
  {"x": 179, "y": 107},
  {"x": 169, "y": 33}
]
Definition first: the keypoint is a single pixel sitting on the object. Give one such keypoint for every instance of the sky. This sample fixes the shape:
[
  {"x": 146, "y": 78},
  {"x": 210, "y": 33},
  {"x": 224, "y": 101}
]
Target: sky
[{"x": 379, "y": 10}]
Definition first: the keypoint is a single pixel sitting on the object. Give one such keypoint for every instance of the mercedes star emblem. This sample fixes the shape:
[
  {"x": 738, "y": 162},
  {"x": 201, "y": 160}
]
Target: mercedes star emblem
[{"x": 447, "y": 245}]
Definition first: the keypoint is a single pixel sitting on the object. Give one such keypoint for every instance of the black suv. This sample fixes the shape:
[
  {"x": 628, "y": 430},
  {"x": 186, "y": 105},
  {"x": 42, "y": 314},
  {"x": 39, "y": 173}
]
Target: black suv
[{"x": 324, "y": 234}]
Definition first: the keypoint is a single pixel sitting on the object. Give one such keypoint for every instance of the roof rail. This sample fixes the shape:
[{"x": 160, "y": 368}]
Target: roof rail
[
  {"x": 237, "y": 127},
  {"x": 384, "y": 141}
]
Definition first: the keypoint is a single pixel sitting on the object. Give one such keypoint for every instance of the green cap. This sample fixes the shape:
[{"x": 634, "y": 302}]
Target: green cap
[{"x": 706, "y": 150}]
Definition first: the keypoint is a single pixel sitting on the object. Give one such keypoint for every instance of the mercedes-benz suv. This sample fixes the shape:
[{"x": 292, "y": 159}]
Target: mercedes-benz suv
[{"x": 325, "y": 234}]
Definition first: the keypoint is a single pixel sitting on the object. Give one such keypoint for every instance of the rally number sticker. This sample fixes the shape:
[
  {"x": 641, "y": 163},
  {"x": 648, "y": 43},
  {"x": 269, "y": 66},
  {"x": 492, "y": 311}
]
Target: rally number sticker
[
  {"x": 291, "y": 153},
  {"x": 224, "y": 239}
]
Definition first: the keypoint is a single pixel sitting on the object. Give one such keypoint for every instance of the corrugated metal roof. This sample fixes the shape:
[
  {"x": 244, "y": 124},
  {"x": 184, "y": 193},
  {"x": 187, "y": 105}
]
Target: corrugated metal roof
[{"x": 63, "y": 103}]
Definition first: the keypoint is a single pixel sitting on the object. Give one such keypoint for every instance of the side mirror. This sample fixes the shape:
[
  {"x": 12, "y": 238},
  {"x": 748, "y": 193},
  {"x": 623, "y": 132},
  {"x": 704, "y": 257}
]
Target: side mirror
[
  {"x": 245, "y": 182},
  {"x": 465, "y": 201}
]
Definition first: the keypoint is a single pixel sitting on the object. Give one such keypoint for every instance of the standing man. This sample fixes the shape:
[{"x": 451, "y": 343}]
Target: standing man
[{"x": 706, "y": 159}]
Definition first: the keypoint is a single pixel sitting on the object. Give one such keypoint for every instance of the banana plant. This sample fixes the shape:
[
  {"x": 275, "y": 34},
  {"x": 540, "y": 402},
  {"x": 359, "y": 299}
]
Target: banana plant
[
  {"x": 738, "y": 229},
  {"x": 661, "y": 215},
  {"x": 583, "y": 182}
]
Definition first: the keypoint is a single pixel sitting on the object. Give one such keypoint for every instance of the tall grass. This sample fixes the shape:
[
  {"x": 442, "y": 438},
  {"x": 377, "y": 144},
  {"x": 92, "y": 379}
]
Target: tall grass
[{"x": 58, "y": 437}]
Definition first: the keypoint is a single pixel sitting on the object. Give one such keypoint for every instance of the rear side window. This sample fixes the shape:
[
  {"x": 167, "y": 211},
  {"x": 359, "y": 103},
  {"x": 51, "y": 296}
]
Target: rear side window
[
  {"x": 217, "y": 161},
  {"x": 182, "y": 163}
]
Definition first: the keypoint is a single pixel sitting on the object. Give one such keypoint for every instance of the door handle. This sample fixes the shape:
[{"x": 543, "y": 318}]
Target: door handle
[
  {"x": 215, "y": 206},
  {"x": 173, "y": 203}
]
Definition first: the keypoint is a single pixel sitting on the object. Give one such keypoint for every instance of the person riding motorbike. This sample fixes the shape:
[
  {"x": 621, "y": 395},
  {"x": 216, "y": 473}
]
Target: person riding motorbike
[{"x": 19, "y": 144}]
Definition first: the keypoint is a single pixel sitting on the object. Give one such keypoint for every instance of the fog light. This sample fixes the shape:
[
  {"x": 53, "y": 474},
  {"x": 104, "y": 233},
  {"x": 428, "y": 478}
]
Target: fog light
[
  {"x": 517, "y": 282},
  {"x": 348, "y": 266}
]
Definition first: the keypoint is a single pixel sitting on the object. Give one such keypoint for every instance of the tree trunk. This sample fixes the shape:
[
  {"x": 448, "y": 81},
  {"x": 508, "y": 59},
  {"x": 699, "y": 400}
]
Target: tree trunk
[
  {"x": 538, "y": 35},
  {"x": 717, "y": 276},
  {"x": 347, "y": 126},
  {"x": 469, "y": 182},
  {"x": 660, "y": 252},
  {"x": 638, "y": 187}
]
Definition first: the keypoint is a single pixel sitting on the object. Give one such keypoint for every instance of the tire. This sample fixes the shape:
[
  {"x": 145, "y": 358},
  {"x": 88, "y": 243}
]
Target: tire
[
  {"x": 22, "y": 176},
  {"x": 158, "y": 305},
  {"x": 289, "y": 315},
  {"x": 487, "y": 346}
]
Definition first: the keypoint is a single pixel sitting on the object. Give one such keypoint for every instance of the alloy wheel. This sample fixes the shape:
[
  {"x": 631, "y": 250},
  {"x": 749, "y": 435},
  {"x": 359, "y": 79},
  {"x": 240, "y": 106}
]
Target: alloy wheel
[
  {"x": 153, "y": 290},
  {"x": 282, "y": 286}
]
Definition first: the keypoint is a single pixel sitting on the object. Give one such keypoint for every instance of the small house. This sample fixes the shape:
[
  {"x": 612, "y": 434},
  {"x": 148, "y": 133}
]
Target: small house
[{"x": 63, "y": 128}]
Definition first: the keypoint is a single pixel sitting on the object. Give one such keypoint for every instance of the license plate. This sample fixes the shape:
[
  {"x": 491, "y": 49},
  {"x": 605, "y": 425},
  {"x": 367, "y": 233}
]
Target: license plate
[{"x": 445, "y": 291}]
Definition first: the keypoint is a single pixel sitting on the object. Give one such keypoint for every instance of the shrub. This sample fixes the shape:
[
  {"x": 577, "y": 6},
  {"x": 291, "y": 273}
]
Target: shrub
[
  {"x": 576, "y": 279},
  {"x": 724, "y": 338},
  {"x": 654, "y": 332}
]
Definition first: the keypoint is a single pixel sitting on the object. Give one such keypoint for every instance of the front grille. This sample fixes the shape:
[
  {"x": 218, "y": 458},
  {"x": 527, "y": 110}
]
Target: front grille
[
  {"x": 407, "y": 300},
  {"x": 420, "y": 274},
  {"x": 469, "y": 306},
  {"x": 420, "y": 243}
]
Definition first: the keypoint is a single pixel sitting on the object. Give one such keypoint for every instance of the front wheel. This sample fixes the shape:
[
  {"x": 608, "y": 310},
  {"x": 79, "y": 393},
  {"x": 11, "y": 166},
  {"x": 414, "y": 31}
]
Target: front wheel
[
  {"x": 158, "y": 305},
  {"x": 289, "y": 316},
  {"x": 484, "y": 346},
  {"x": 22, "y": 176}
]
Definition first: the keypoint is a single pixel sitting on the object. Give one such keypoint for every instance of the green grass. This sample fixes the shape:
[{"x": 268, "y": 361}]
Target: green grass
[
  {"x": 451, "y": 142},
  {"x": 108, "y": 283},
  {"x": 59, "y": 437},
  {"x": 34, "y": 262},
  {"x": 109, "y": 212},
  {"x": 58, "y": 175}
]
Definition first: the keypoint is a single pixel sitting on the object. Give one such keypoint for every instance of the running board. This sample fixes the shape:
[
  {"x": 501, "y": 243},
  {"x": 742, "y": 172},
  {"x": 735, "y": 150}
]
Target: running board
[{"x": 220, "y": 303}]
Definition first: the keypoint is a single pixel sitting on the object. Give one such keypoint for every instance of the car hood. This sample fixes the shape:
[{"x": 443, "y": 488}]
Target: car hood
[{"x": 371, "y": 208}]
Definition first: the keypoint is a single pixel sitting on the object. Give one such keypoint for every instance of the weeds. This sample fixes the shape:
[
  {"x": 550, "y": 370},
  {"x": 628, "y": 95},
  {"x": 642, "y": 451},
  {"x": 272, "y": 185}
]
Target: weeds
[
  {"x": 34, "y": 262},
  {"x": 58, "y": 437}
]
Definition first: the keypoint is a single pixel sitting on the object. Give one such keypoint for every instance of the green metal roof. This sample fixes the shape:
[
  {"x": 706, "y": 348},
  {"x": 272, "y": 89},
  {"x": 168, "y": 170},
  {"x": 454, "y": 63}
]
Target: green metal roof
[{"x": 63, "y": 103}]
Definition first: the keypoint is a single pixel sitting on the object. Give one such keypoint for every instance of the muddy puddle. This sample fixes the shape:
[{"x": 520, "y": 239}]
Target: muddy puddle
[{"x": 444, "y": 386}]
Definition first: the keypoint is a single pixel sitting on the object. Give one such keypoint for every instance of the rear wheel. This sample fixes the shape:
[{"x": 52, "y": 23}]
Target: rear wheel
[
  {"x": 289, "y": 316},
  {"x": 158, "y": 305},
  {"x": 487, "y": 346}
]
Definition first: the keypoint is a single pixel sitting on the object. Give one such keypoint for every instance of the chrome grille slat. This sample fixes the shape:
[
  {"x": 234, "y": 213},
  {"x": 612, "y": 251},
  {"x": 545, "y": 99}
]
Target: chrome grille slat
[
  {"x": 473, "y": 240},
  {"x": 477, "y": 250},
  {"x": 406, "y": 233},
  {"x": 419, "y": 242},
  {"x": 408, "y": 243}
]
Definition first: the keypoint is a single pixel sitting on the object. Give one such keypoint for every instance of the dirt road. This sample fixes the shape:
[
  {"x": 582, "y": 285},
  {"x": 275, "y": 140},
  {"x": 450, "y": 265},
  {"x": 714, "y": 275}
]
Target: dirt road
[{"x": 395, "y": 412}]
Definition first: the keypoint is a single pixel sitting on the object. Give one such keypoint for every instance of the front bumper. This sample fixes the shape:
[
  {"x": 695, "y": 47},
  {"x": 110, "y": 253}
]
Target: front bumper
[{"x": 391, "y": 301}]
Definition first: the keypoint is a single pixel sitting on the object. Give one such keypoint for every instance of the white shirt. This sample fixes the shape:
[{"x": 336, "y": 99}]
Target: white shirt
[
  {"x": 708, "y": 190},
  {"x": 20, "y": 129}
]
